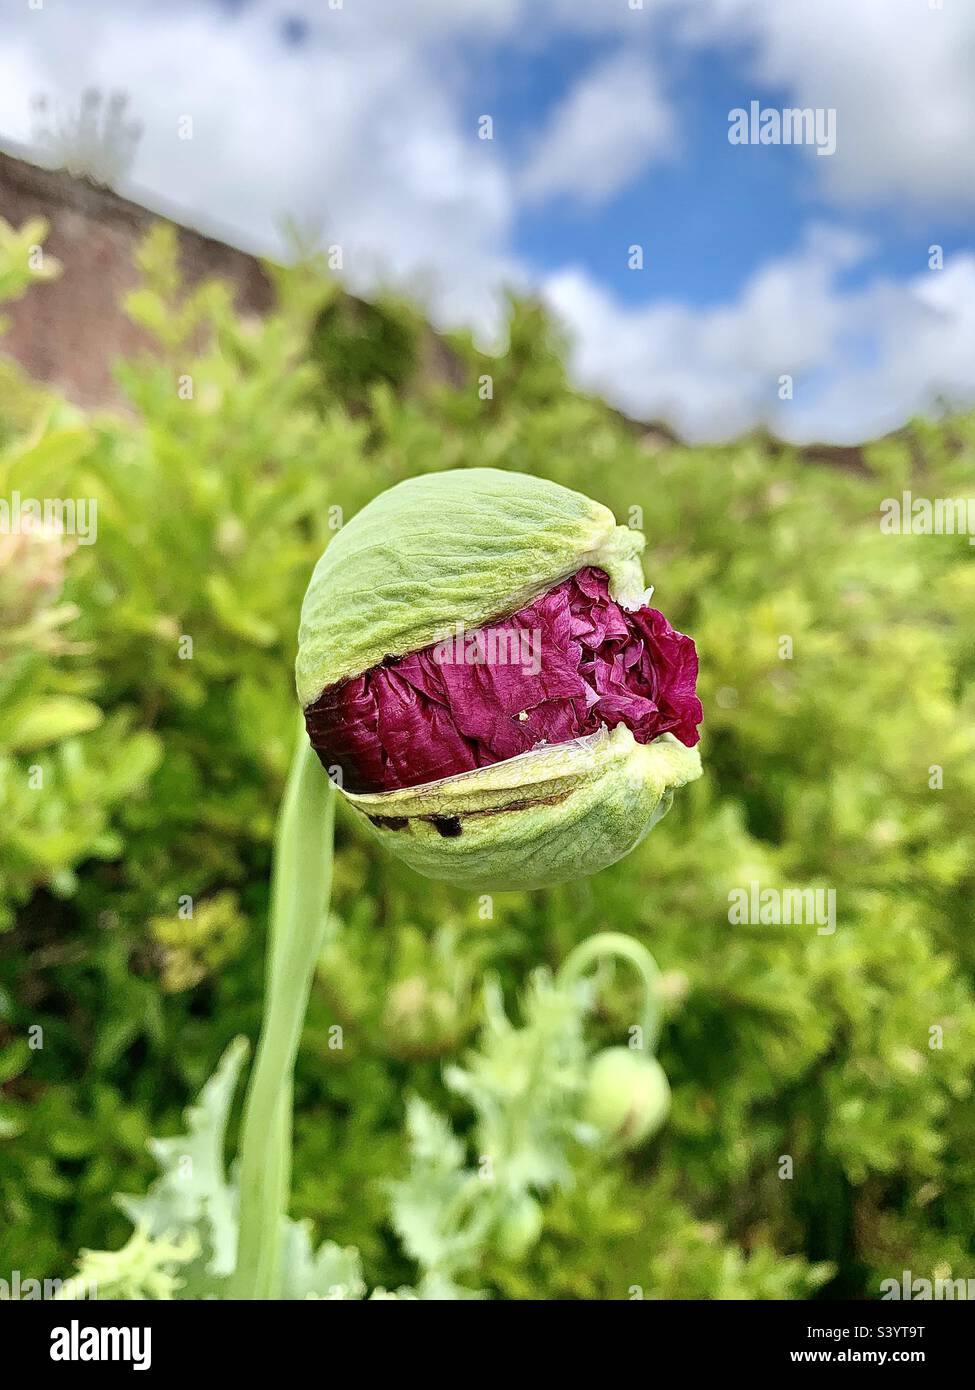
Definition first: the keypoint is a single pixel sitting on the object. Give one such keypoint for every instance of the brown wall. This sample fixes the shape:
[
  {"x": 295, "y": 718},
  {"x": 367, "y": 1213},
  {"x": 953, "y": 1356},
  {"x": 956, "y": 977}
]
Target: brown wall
[{"x": 70, "y": 330}]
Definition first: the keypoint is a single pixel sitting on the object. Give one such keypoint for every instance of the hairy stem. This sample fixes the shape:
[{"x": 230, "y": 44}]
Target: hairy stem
[
  {"x": 611, "y": 943},
  {"x": 300, "y": 886}
]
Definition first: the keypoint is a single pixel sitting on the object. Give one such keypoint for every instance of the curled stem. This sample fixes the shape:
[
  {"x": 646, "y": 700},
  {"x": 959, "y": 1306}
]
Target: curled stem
[
  {"x": 611, "y": 943},
  {"x": 300, "y": 886}
]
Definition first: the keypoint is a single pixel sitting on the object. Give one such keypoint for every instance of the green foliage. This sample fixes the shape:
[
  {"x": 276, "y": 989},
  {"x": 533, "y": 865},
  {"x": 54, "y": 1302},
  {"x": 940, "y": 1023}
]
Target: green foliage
[
  {"x": 525, "y": 1085},
  {"x": 357, "y": 346},
  {"x": 185, "y": 1236},
  {"x": 22, "y": 261},
  {"x": 162, "y": 765}
]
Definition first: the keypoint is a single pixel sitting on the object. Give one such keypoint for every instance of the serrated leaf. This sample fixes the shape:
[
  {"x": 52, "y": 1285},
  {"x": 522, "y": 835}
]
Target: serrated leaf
[
  {"x": 330, "y": 1272},
  {"x": 192, "y": 1193}
]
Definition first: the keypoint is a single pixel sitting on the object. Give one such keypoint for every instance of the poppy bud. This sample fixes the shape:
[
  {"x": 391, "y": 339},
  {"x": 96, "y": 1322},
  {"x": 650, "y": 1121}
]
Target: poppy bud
[
  {"x": 481, "y": 675},
  {"x": 627, "y": 1096},
  {"x": 520, "y": 1228}
]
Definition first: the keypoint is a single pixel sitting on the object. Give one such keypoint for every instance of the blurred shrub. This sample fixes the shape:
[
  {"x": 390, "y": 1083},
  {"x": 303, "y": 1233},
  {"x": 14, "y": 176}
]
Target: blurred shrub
[
  {"x": 358, "y": 345},
  {"x": 147, "y": 678}
]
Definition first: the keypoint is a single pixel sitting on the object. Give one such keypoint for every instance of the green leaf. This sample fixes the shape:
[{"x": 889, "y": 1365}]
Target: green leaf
[
  {"x": 329, "y": 1272},
  {"x": 37, "y": 723},
  {"x": 192, "y": 1194}
]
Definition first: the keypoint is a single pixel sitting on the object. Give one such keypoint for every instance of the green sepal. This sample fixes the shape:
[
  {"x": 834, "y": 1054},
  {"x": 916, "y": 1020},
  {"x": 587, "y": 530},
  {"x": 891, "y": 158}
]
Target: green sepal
[
  {"x": 464, "y": 546},
  {"x": 551, "y": 815}
]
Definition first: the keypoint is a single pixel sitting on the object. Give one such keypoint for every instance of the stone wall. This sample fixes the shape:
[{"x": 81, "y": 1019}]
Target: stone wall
[{"x": 70, "y": 330}]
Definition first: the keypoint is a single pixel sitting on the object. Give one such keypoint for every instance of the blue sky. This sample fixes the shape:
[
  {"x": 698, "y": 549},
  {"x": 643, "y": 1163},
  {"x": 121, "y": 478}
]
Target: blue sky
[
  {"x": 708, "y": 217},
  {"x": 713, "y": 213},
  {"x": 359, "y": 118}
]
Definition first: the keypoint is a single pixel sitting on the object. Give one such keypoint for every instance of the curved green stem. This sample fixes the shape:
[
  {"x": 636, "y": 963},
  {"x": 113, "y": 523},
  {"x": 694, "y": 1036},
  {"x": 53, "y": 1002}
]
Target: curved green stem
[
  {"x": 612, "y": 943},
  {"x": 300, "y": 887}
]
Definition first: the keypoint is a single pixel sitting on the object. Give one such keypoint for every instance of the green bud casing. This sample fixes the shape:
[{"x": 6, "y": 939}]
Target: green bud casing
[
  {"x": 464, "y": 546},
  {"x": 549, "y": 816}
]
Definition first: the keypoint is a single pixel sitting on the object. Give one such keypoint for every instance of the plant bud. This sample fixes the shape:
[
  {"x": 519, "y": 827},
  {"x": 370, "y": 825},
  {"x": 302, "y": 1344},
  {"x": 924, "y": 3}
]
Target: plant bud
[
  {"x": 627, "y": 1096},
  {"x": 477, "y": 662},
  {"x": 519, "y": 1228}
]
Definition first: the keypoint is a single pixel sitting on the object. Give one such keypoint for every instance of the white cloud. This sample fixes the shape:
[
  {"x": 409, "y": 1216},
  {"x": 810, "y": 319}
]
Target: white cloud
[
  {"x": 898, "y": 72},
  {"x": 861, "y": 361},
  {"x": 356, "y": 131},
  {"x": 605, "y": 132}
]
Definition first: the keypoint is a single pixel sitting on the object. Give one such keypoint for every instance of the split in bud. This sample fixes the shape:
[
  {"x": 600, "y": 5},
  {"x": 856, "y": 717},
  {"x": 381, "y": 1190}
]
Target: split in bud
[{"x": 558, "y": 669}]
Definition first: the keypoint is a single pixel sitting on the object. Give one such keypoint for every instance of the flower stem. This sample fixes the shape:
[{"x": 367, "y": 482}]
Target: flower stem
[
  {"x": 300, "y": 885},
  {"x": 611, "y": 943}
]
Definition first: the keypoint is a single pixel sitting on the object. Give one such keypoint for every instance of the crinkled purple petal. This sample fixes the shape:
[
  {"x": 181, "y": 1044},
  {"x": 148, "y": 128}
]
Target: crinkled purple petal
[{"x": 558, "y": 669}]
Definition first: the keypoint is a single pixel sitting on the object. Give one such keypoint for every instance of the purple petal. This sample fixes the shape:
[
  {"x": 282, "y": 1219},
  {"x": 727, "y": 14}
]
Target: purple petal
[{"x": 559, "y": 668}]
